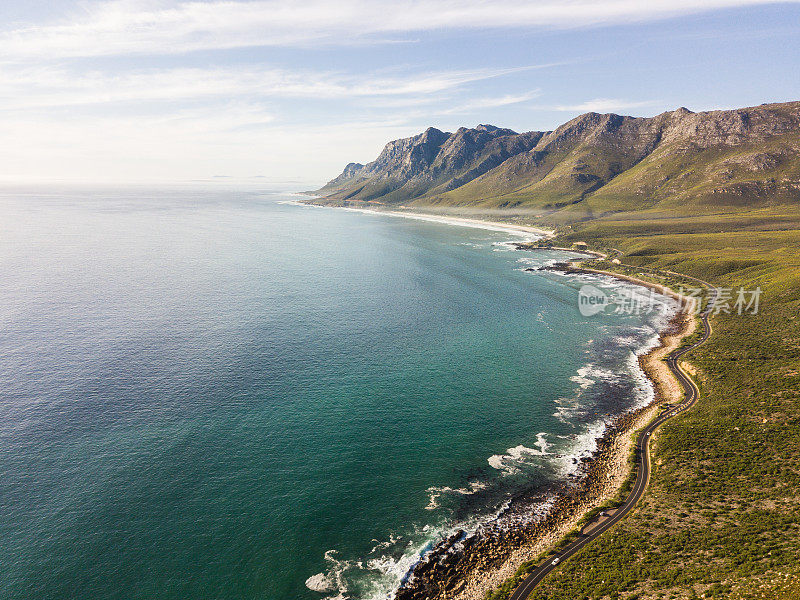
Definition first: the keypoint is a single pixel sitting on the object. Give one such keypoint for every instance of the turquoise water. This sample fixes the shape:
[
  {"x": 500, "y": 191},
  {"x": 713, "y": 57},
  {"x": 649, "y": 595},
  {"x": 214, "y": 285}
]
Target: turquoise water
[{"x": 212, "y": 394}]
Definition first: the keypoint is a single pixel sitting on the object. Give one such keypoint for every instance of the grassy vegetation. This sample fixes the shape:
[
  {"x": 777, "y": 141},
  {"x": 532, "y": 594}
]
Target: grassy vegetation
[{"x": 721, "y": 518}]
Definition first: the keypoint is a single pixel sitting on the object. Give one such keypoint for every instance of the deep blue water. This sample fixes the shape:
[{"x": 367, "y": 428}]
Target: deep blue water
[{"x": 205, "y": 393}]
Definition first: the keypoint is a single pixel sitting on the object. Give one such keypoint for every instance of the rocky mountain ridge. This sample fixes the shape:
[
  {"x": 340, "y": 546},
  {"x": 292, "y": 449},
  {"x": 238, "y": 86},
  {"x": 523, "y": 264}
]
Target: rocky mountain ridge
[{"x": 595, "y": 163}]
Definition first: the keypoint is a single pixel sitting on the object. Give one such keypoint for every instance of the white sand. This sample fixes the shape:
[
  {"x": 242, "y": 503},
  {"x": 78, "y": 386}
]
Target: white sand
[{"x": 523, "y": 230}]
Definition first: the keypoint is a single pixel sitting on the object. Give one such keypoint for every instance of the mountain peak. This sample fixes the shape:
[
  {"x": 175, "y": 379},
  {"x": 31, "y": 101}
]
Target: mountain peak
[
  {"x": 431, "y": 160},
  {"x": 754, "y": 158}
]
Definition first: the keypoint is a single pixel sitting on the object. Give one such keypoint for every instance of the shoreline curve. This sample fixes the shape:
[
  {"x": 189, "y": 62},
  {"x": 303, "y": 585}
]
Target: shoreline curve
[{"x": 605, "y": 473}]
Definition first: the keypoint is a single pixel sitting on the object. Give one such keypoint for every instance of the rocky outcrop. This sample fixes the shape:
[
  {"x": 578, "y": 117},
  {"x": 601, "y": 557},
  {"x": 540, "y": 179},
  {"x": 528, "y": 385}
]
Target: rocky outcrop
[
  {"x": 433, "y": 161},
  {"x": 456, "y": 562}
]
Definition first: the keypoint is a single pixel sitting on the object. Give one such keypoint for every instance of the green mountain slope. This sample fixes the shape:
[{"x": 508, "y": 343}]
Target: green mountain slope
[
  {"x": 594, "y": 165},
  {"x": 430, "y": 163}
]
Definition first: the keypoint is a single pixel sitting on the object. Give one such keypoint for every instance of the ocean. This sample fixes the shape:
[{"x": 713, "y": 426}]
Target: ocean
[{"x": 212, "y": 393}]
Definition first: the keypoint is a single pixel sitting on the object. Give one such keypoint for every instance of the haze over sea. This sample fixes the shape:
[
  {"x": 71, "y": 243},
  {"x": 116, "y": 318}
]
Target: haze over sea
[{"x": 209, "y": 393}]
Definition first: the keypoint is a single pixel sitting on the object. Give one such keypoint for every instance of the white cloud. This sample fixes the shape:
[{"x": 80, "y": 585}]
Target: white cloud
[
  {"x": 46, "y": 86},
  {"x": 149, "y": 27},
  {"x": 479, "y": 104},
  {"x": 58, "y": 121},
  {"x": 603, "y": 105}
]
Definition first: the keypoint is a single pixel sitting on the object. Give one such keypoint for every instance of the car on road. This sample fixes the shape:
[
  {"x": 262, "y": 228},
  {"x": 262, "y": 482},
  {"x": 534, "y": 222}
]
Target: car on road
[{"x": 555, "y": 561}]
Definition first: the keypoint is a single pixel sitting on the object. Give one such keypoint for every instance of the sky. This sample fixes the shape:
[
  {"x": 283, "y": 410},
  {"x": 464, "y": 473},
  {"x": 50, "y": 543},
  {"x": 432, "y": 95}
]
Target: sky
[{"x": 286, "y": 93}]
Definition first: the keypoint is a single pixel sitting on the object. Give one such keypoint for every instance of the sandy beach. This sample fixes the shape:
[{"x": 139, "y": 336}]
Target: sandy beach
[{"x": 523, "y": 230}]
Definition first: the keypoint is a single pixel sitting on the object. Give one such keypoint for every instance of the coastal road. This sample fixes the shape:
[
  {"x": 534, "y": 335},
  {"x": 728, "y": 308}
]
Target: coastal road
[{"x": 602, "y": 524}]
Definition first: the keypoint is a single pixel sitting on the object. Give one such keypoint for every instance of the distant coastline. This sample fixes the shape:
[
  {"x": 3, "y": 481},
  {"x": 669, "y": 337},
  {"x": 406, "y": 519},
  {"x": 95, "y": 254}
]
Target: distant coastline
[{"x": 524, "y": 230}]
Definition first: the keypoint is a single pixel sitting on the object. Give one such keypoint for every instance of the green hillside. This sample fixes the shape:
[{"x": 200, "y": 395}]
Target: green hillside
[
  {"x": 721, "y": 518},
  {"x": 595, "y": 165}
]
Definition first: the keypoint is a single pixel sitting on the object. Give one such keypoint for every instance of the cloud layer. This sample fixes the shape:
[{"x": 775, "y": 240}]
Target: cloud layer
[
  {"x": 145, "y": 27},
  {"x": 50, "y": 86}
]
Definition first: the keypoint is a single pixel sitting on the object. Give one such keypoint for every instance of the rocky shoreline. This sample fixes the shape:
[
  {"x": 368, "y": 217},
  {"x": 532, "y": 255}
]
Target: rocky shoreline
[{"x": 466, "y": 566}]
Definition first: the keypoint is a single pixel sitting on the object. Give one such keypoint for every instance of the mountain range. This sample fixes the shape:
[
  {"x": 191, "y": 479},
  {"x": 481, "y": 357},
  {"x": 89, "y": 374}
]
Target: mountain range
[{"x": 594, "y": 165}]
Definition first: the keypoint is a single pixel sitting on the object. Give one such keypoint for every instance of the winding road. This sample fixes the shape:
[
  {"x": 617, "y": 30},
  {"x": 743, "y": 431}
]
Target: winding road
[{"x": 595, "y": 529}]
